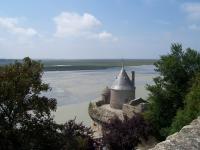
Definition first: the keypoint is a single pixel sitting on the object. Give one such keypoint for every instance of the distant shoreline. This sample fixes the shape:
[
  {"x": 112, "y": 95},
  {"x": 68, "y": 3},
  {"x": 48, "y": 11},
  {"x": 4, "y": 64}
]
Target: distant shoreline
[{"x": 84, "y": 64}]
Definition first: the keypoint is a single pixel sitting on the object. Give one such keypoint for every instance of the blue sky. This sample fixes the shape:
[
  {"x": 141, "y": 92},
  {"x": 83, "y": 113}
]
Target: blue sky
[{"x": 74, "y": 29}]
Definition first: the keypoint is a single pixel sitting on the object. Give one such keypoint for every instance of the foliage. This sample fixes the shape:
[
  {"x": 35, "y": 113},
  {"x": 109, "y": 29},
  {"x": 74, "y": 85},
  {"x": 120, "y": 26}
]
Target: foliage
[
  {"x": 126, "y": 134},
  {"x": 192, "y": 107},
  {"x": 168, "y": 92},
  {"x": 25, "y": 114},
  {"x": 79, "y": 135},
  {"x": 20, "y": 89}
]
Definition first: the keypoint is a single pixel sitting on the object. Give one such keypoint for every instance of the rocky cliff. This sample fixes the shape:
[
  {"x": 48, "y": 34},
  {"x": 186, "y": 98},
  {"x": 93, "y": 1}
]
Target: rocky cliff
[{"x": 188, "y": 138}]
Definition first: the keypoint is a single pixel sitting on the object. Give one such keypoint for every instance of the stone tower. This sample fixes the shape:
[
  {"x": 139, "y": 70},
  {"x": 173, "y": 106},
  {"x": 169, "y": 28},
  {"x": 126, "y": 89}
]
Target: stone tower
[{"x": 122, "y": 90}]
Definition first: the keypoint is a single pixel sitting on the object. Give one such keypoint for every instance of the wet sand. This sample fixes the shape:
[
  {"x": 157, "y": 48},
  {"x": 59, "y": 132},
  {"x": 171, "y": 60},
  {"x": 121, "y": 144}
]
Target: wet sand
[{"x": 75, "y": 89}]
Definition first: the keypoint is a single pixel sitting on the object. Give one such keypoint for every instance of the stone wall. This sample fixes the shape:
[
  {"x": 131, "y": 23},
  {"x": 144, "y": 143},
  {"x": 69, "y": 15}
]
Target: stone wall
[
  {"x": 188, "y": 138},
  {"x": 128, "y": 110},
  {"x": 120, "y": 97}
]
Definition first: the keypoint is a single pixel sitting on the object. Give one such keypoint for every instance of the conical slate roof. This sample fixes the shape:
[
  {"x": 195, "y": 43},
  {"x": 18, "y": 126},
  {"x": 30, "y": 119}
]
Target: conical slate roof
[{"x": 122, "y": 81}]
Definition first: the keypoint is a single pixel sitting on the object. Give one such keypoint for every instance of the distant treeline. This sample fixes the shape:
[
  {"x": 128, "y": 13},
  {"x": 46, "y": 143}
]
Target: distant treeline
[{"x": 85, "y": 64}]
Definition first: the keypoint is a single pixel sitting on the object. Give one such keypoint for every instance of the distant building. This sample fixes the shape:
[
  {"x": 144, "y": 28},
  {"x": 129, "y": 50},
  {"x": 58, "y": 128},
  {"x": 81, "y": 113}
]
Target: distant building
[
  {"x": 122, "y": 90},
  {"x": 117, "y": 101}
]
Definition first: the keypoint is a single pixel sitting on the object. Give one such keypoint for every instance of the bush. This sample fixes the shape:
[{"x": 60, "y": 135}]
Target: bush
[
  {"x": 126, "y": 134},
  {"x": 191, "y": 109},
  {"x": 80, "y": 137}
]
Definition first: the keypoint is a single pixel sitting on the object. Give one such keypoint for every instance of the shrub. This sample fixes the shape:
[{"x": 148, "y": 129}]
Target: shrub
[
  {"x": 126, "y": 134},
  {"x": 191, "y": 109}
]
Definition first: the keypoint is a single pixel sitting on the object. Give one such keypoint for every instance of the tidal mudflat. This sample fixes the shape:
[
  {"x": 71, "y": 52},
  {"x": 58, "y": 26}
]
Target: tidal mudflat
[{"x": 75, "y": 89}]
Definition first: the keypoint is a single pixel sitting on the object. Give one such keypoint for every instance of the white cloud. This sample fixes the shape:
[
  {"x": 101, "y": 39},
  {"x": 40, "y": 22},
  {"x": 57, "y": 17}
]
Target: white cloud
[
  {"x": 103, "y": 36},
  {"x": 73, "y": 24},
  {"x": 194, "y": 27},
  {"x": 106, "y": 36},
  {"x": 86, "y": 25},
  {"x": 193, "y": 10},
  {"x": 12, "y": 26}
]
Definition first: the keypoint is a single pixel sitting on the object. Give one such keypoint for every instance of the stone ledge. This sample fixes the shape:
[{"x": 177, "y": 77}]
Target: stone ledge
[
  {"x": 104, "y": 113},
  {"x": 188, "y": 138}
]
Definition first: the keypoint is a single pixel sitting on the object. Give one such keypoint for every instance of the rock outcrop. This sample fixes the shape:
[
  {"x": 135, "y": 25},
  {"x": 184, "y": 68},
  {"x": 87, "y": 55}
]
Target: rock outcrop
[
  {"x": 188, "y": 138},
  {"x": 101, "y": 112}
]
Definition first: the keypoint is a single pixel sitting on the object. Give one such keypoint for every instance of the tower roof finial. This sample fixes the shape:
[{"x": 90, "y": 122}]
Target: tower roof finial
[
  {"x": 122, "y": 81},
  {"x": 122, "y": 64}
]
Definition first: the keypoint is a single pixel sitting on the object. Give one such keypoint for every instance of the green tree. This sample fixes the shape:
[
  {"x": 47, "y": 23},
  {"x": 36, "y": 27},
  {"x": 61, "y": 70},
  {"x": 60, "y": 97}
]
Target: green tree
[
  {"x": 21, "y": 103},
  {"x": 20, "y": 89},
  {"x": 170, "y": 87},
  {"x": 191, "y": 109},
  {"x": 25, "y": 115}
]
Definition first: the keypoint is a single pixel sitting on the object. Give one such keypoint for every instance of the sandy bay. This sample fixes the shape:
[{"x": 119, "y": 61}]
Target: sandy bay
[{"x": 75, "y": 89}]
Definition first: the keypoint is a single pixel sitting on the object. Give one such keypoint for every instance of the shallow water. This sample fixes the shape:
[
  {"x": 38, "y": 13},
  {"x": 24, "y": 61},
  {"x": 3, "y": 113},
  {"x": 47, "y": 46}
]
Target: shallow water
[{"x": 75, "y": 89}]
